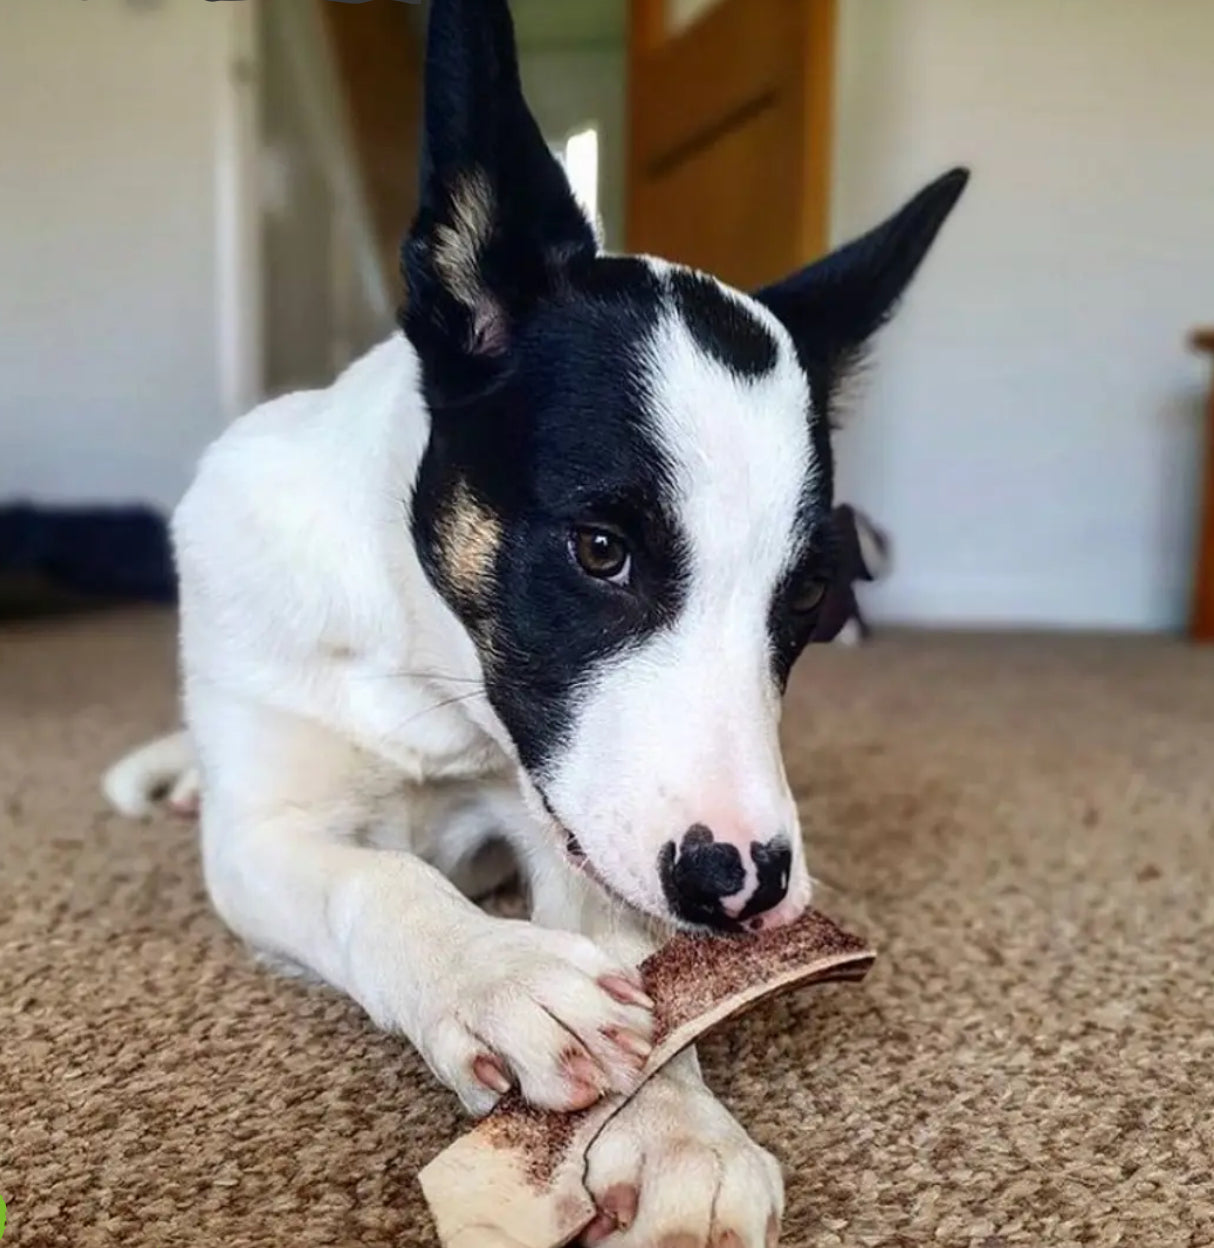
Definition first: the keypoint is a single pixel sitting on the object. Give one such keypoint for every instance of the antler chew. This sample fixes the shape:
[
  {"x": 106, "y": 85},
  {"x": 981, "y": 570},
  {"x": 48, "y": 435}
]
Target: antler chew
[{"x": 515, "y": 1181}]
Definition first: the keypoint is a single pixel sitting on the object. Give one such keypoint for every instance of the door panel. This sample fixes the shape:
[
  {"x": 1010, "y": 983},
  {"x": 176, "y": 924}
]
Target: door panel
[
  {"x": 709, "y": 200},
  {"x": 681, "y": 13},
  {"x": 730, "y": 126}
]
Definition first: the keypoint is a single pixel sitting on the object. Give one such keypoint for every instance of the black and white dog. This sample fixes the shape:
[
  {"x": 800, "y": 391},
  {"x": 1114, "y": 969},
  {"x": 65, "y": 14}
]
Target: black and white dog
[{"x": 531, "y": 575}]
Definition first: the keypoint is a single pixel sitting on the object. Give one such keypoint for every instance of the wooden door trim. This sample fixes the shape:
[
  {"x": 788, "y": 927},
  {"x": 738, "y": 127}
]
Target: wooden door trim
[
  {"x": 1201, "y": 626},
  {"x": 646, "y": 31},
  {"x": 646, "y": 26},
  {"x": 818, "y": 32}
]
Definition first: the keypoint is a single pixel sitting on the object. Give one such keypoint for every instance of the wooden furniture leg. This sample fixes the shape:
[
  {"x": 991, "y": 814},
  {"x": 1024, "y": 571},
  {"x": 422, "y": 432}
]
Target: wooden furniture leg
[{"x": 1202, "y": 626}]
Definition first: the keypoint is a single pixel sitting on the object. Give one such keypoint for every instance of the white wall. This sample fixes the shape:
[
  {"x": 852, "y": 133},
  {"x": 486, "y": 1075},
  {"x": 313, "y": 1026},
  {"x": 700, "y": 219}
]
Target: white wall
[
  {"x": 112, "y": 364},
  {"x": 1030, "y": 429}
]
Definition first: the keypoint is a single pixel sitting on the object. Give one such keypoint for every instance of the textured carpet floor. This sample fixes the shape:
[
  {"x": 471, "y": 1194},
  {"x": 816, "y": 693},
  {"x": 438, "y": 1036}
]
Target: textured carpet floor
[{"x": 1024, "y": 827}]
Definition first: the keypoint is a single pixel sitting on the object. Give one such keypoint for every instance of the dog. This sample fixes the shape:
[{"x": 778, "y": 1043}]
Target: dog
[
  {"x": 522, "y": 589},
  {"x": 863, "y": 553}
]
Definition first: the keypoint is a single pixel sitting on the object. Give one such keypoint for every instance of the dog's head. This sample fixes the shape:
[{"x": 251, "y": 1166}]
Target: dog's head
[{"x": 627, "y": 491}]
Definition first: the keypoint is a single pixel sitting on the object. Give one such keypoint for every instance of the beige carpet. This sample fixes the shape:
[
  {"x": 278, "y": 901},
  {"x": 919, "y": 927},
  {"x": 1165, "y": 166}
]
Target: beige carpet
[{"x": 1024, "y": 827}]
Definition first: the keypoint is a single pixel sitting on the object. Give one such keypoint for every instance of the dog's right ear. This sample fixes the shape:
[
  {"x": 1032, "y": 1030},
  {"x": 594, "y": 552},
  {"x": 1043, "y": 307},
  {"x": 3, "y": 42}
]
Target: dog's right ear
[
  {"x": 833, "y": 307},
  {"x": 497, "y": 220}
]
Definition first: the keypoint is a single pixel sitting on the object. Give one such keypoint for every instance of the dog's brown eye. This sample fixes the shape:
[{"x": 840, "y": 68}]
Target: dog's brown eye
[
  {"x": 602, "y": 554},
  {"x": 808, "y": 598}
]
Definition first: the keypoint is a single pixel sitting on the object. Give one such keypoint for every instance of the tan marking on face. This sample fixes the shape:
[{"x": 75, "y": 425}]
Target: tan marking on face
[{"x": 469, "y": 536}]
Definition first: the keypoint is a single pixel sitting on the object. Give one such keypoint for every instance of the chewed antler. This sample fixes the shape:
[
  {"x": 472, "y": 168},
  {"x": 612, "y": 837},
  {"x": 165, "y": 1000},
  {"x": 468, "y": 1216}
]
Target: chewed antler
[{"x": 516, "y": 1180}]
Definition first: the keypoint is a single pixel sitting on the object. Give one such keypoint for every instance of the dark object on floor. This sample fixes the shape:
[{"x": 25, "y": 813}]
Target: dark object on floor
[
  {"x": 864, "y": 554},
  {"x": 64, "y": 559}
]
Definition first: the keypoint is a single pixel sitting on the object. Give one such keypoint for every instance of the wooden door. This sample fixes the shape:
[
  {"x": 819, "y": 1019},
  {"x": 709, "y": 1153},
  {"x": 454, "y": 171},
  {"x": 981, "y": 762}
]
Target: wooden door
[
  {"x": 378, "y": 51},
  {"x": 730, "y": 136}
]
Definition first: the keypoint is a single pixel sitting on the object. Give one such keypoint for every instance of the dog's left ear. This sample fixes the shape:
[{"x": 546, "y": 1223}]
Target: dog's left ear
[
  {"x": 497, "y": 221},
  {"x": 835, "y": 305}
]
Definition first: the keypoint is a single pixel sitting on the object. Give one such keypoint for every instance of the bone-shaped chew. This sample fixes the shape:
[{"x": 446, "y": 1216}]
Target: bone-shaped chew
[{"x": 516, "y": 1180}]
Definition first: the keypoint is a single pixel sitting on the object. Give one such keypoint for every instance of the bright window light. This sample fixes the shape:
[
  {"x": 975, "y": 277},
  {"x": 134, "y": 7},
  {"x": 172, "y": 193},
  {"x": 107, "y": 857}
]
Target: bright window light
[{"x": 581, "y": 161}]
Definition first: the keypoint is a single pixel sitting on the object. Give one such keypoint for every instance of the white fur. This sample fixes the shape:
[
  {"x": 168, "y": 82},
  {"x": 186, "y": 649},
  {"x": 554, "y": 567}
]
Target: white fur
[
  {"x": 703, "y": 692},
  {"x": 351, "y": 767}
]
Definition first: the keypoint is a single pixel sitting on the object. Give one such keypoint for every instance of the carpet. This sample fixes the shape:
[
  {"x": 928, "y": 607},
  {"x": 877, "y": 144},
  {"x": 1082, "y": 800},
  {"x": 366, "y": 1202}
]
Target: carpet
[{"x": 1024, "y": 827}]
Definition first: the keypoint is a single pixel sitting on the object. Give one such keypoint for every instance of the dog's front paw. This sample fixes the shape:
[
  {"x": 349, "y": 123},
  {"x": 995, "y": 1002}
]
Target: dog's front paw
[
  {"x": 547, "y": 1011},
  {"x": 675, "y": 1170}
]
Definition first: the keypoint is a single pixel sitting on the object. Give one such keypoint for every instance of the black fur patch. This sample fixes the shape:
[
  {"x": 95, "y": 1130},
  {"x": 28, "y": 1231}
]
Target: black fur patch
[
  {"x": 479, "y": 132},
  {"x": 532, "y": 350},
  {"x": 722, "y": 327},
  {"x": 562, "y": 440}
]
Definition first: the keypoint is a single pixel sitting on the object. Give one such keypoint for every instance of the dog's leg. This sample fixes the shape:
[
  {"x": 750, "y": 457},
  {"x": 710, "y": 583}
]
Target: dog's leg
[
  {"x": 674, "y": 1166},
  {"x": 488, "y": 1002},
  {"x": 468, "y": 829},
  {"x": 140, "y": 778}
]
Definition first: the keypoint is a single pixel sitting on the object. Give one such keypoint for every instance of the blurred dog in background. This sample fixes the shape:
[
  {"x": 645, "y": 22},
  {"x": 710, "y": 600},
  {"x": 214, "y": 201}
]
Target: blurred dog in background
[{"x": 864, "y": 553}]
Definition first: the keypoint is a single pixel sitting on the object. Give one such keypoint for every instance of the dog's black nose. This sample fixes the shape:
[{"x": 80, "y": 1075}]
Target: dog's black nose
[{"x": 706, "y": 881}]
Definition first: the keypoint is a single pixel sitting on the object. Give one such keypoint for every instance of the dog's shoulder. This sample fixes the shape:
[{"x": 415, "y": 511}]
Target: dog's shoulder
[
  {"x": 297, "y": 515},
  {"x": 368, "y": 420}
]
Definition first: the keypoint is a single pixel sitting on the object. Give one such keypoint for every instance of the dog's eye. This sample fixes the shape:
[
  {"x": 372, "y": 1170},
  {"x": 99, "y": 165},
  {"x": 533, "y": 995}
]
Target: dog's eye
[
  {"x": 602, "y": 554},
  {"x": 808, "y": 597}
]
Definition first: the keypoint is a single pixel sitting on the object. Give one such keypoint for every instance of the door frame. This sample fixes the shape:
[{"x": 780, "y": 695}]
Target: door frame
[{"x": 238, "y": 285}]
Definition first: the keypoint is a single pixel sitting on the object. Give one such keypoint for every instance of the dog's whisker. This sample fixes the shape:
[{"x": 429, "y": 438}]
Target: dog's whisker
[
  {"x": 408, "y": 674},
  {"x": 454, "y": 700}
]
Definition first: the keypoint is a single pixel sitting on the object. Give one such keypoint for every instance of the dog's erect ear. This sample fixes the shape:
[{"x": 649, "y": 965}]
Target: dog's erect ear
[
  {"x": 834, "y": 306},
  {"x": 497, "y": 220}
]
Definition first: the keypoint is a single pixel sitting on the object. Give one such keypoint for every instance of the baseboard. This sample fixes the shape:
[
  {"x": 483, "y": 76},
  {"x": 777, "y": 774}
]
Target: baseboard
[{"x": 1081, "y": 604}]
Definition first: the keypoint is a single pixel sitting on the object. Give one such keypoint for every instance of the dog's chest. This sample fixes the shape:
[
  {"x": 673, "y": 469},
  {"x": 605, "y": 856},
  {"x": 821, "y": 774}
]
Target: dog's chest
[{"x": 427, "y": 731}]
